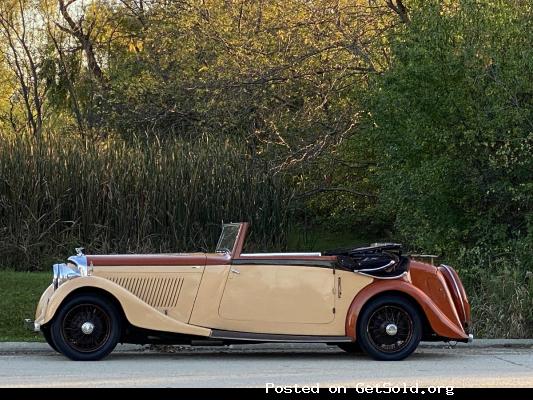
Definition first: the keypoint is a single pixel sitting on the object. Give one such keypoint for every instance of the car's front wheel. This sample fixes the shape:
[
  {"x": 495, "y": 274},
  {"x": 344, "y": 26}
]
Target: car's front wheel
[
  {"x": 48, "y": 337},
  {"x": 86, "y": 328},
  {"x": 389, "y": 328}
]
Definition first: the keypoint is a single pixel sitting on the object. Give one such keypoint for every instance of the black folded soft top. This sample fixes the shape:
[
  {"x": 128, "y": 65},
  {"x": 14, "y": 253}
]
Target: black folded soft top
[{"x": 380, "y": 260}]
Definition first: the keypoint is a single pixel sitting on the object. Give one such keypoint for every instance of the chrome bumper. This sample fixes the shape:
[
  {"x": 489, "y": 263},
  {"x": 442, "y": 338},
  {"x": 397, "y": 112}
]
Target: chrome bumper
[{"x": 31, "y": 325}]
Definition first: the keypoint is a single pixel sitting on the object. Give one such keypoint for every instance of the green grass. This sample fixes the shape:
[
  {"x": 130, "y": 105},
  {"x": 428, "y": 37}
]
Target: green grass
[{"x": 20, "y": 292}]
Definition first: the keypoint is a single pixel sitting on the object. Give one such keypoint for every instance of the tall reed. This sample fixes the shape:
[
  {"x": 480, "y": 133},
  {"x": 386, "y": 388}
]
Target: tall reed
[{"x": 113, "y": 196}]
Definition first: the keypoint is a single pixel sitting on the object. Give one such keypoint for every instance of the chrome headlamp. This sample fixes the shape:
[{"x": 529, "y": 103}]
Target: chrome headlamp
[
  {"x": 64, "y": 272},
  {"x": 74, "y": 268}
]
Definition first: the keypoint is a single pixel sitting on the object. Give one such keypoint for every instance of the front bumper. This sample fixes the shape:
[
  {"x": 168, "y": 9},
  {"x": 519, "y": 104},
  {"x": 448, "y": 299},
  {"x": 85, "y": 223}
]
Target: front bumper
[{"x": 31, "y": 325}]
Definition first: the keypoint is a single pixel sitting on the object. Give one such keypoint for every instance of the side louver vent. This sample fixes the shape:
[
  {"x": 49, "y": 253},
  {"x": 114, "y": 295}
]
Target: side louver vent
[{"x": 159, "y": 292}]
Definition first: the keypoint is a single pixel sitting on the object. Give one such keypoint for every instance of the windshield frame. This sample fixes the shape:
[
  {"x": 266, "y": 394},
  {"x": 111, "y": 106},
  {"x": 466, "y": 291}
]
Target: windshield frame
[{"x": 229, "y": 231}]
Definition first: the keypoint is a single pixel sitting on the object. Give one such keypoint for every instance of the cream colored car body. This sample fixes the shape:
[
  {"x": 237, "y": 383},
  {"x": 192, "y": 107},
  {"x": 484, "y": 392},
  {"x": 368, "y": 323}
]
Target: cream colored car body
[{"x": 275, "y": 299}]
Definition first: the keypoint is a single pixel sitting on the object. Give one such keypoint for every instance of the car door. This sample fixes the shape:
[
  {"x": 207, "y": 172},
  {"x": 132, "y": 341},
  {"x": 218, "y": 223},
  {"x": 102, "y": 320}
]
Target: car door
[{"x": 270, "y": 293}]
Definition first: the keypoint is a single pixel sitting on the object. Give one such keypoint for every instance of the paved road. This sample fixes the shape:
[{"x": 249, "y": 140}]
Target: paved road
[{"x": 254, "y": 366}]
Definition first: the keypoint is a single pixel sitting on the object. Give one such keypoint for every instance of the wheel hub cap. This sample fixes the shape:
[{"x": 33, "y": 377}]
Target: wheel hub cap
[
  {"x": 87, "y": 328},
  {"x": 391, "y": 329}
]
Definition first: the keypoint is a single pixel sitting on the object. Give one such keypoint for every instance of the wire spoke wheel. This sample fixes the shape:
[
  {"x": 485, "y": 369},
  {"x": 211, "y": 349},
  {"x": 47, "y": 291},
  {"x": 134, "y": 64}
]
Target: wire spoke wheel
[
  {"x": 45, "y": 330},
  {"x": 390, "y": 329},
  {"x": 86, "y": 328}
]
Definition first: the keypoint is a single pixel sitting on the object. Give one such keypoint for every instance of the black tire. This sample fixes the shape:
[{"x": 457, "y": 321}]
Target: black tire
[
  {"x": 352, "y": 347},
  {"x": 102, "y": 332},
  {"x": 46, "y": 334},
  {"x": 397, "y": 313}
]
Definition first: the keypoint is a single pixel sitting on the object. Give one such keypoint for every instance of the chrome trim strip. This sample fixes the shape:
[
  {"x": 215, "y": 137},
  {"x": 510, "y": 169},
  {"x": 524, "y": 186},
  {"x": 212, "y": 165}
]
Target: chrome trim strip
[
  {"x": 392, "y": 262},
  {"x": 289, "y": 262},
  {"x": 384, "y": 277}
]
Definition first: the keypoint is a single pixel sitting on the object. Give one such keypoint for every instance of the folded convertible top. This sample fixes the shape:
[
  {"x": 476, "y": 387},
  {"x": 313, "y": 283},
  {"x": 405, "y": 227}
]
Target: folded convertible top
[{"x": 379, "y": 260}]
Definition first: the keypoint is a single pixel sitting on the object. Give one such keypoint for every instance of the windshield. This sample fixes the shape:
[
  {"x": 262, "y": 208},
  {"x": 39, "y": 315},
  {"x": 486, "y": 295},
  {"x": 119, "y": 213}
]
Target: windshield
[{"x": 228, "y": 237}]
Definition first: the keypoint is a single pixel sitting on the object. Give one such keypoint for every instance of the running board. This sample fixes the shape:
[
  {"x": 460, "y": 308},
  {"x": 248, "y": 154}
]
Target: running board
[{"x": 270, "y": 337}]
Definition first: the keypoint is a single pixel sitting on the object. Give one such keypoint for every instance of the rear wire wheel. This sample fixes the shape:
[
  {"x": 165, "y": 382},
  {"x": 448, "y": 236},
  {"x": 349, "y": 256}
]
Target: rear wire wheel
[{"x": 389, "y": 328}]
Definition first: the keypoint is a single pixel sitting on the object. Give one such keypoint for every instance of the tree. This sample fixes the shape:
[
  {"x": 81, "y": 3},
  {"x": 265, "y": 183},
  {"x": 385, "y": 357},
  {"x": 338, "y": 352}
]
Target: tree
[
  {"x": 275, "y": 74},
  {"x": 19, "y": 29},
  {"x": 83, "y": 35},
  {"x": 452, "y": 120}
]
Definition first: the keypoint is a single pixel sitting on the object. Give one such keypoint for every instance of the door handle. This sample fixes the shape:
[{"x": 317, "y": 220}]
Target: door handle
[{"x": 234, "y": 271}]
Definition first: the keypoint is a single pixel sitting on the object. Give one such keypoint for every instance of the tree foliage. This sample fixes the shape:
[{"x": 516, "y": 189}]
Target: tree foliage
[
  {"x": 452, "y": 121},
  {"x": 276, "y": 75}
]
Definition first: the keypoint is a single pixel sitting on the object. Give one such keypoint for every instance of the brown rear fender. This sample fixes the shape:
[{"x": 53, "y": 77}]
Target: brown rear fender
[
  {"x": 439, "y": 322},
  {"x": 137, "y": 312},
  {"x": 457, "y": 290}
]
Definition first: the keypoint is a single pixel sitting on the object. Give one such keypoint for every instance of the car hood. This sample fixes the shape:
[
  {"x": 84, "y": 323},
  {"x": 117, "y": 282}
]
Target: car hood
[{"x": 159, "y": 259}]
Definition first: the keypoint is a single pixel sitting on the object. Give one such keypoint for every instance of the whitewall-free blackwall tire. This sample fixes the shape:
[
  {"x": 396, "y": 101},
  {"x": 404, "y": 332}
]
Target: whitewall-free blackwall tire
[
  {"x": 389, "y": 328},
  {"x": 86, "y": 328}
]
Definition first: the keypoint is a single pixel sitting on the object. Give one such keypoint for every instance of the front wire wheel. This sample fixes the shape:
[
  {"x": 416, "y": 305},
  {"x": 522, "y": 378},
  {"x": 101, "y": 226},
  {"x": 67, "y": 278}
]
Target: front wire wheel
[
  {"x": 47, "y": 336},
  {"x": 86, "y": 328},
  {"x": 389, "y": 328}
]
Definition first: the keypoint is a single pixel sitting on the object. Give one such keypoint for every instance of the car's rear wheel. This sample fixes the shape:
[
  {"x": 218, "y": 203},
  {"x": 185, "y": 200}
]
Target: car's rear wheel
[
  {"x": 86, "y": 328},
  {"x": 48, "y": 337},
  {"x": 389, "y": 328}
]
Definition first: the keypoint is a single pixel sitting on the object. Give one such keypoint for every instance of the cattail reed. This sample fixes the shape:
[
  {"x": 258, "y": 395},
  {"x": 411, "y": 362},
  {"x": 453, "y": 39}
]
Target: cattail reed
[{"x": 111, "y": 196}]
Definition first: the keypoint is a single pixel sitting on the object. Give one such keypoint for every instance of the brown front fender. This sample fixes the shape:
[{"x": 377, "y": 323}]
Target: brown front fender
[{"x": 439, "y": 322}]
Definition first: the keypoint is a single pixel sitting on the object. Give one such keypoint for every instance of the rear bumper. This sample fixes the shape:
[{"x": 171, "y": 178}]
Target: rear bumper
[
  {"x": 31, "y": 325},
  {"x": 470, "y": 339}
]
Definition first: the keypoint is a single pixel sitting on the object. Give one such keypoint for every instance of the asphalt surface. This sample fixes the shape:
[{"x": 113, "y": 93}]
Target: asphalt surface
[{"x": 493, "y": 364}]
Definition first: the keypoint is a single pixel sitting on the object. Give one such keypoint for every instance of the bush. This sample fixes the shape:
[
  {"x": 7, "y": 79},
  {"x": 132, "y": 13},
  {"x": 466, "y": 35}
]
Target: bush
[
  {"x": 499, "y": 283},
  {"x": 451, "y": 123},
  {"x": 451, "y": 120},
  {"x": 111, "y": 196}
]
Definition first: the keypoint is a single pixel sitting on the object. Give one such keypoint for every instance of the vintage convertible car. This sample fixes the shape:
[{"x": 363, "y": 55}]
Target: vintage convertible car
[{"x": 372, "y": 299}]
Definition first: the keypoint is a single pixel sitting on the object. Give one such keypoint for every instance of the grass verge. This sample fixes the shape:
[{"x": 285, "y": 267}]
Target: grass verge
[{"x": 20, "y": 292}]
